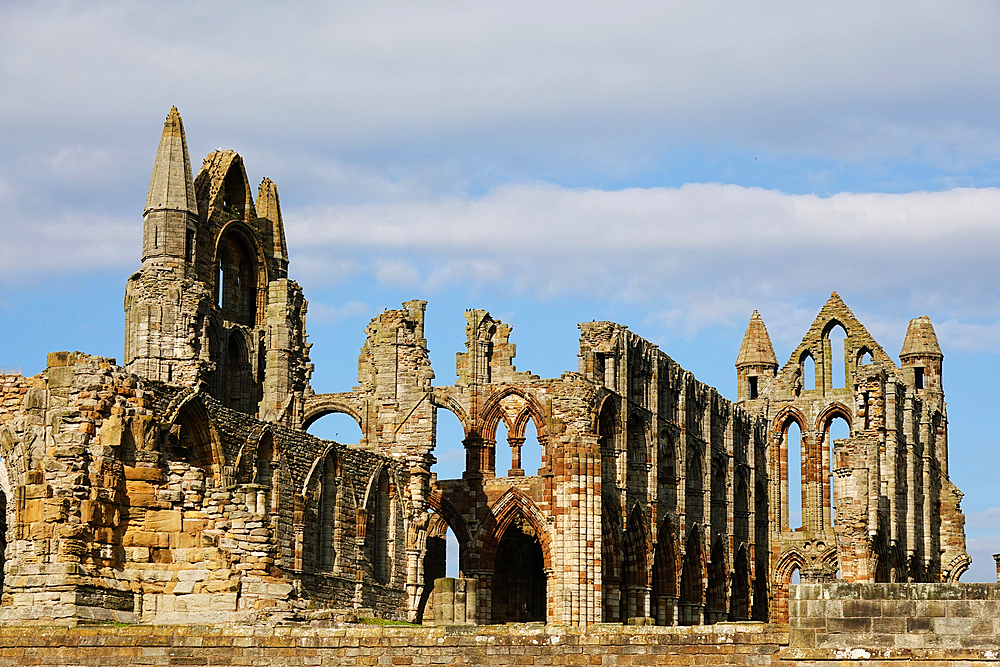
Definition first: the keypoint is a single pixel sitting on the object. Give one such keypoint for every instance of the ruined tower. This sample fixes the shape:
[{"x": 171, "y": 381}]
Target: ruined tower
[{"x": 212, "y": 305}]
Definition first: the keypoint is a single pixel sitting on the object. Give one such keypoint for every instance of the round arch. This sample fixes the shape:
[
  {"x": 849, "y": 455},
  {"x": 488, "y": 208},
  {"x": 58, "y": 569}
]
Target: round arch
[{"x": 321, "y": 405}]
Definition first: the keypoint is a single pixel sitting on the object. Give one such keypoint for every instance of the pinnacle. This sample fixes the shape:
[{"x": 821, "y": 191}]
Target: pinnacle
[
  {"x": 171, "y": 186},
  {"x": 756, "y": 348},
  {"x": 920, "y": 338}
]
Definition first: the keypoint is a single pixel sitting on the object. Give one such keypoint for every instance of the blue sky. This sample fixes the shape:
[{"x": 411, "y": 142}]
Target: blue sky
[{"x": 671, "y": 166}]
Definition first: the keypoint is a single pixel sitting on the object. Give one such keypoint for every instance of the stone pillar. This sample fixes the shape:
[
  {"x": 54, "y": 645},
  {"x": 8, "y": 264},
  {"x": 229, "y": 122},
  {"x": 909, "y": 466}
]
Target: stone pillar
[
  {"x": 996, "y": 557},
  {"x": 455, "y": 601},
  {"x": 515, "y": 457}
]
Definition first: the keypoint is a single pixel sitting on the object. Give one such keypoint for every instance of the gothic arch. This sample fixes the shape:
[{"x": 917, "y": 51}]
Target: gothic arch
[
  {"x": 492, "y": 412},
  {"x": 443, "y": 508},
  {"x": 194, "y": 437},
  {"x": 831, "y": 412},
  {"x": 666, "y": 560},
  {"x": 781, "y": 421},
  {"x": 237, "y": 250},
  {"x": 831, "y": 324},
  {"x": 788, "y": 562},
  {"x": 512, "y": 504}
]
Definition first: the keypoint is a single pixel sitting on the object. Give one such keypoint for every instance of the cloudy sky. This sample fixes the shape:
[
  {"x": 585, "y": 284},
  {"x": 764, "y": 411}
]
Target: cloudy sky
[{"x": 669, "y": 165}]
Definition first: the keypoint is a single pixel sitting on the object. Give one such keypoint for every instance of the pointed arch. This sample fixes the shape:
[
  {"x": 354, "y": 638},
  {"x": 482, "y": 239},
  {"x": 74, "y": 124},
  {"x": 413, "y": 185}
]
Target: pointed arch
[
  {"x": 666, "y": 572},
  {"x": 739, "y": 600},
  {"x": 716, "y": 594},
  {"x": 516, "y": 548},
  {"x": 241, "y": 274},
  {"x": 491, "y": 412},
  {"x": 692, "y": 579},
  {"x": 508, "y": 507},
  {"x": 194, "y": 439},
  {"x": 443, "y": 507},
  {"x": 831, "y": 412}
]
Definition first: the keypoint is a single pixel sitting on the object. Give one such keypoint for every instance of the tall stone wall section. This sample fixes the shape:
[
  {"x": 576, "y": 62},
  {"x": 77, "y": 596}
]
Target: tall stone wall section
[{"x": 129, "y": 499}]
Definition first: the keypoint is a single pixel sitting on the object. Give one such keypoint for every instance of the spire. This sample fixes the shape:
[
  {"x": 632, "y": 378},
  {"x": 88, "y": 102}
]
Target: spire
[
  {"x": 756, "y": 348},
  {"x": 920, "y": 339},
  {"x": 171, "y": 186},
  {"x": 269, "y": 214}
]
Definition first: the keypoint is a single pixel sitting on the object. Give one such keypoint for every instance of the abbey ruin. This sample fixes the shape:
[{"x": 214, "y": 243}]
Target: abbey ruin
[{"x": 182, "y": 486}]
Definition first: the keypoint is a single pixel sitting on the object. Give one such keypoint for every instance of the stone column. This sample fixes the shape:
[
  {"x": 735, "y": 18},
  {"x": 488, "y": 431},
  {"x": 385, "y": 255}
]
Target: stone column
[{"x": 515, "y": 457}]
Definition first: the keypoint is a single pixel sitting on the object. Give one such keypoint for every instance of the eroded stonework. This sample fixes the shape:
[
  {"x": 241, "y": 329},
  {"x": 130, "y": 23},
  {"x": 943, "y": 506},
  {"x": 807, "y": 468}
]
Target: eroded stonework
[{"x": 182, "y": 486}]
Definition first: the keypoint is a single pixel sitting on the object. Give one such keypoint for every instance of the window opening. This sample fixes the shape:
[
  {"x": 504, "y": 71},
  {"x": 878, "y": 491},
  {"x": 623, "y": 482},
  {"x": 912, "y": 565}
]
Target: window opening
[
  {"x": 189, "y": 246},
  {"x": 449, "y": 449},
  {"x": 808, "y": 373},
  {"x": 377, "y": 533},
  {"x": 502, "y": 458},
  {"x": 866, "y": 358},
  {"x": 838, "y": 367},
  {"x": 793, "y": 444},
  {"x": 327, "y": 514},
  {"x": 838, "y": 430},
  {"x": 918, "y": 377},
  {"x": 753, "y": 386},
  {"x": 531, "y": 450}
]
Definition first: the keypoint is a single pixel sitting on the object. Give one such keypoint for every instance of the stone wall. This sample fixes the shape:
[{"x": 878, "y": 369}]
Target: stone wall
[
  {"x": 736, "y": 644},
  {"x": 729, "y": 644},
  {"x": 895, "y": 619}
]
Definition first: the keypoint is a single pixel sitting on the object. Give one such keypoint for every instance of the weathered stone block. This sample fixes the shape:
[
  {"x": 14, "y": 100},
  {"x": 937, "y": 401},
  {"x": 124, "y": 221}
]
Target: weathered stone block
[{"x": 164, "y": 521}]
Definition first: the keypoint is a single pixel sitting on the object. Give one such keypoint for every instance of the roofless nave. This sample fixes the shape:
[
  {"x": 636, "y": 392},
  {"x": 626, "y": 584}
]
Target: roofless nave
[{"x": 182, "y": 487}]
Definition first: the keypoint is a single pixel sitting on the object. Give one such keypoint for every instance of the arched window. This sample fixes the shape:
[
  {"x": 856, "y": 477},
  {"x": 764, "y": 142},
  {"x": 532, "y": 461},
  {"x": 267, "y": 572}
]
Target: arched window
[
  {"x": 378, "y": 534},
  {"x": 692, "y": 600},
  {"x": 531, "y": 450},
  {"x": 793, "y": 447},
  {"x": 808, "y": 372},
  {"x": 237, "y": 279},
  {"x": 837, "y": 338},
  {"x": 326, "y": 534},
  {"x": 837, "y": 429},
  {"x": 502, "y": 460}
]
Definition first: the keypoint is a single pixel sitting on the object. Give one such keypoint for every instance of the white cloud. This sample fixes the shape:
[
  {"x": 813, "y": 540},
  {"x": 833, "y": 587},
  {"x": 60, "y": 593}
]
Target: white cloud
[{"x": 709, "y": 253}]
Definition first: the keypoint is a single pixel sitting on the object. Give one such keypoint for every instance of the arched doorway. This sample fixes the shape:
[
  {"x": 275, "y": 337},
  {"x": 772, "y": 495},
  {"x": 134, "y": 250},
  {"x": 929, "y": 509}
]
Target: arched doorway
[{"x": 519, "y": 582}]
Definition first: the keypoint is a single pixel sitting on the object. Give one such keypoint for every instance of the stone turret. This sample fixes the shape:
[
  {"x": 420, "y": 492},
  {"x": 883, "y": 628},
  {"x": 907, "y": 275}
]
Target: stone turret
[
  {"x": 171, "y": 214},
  {"x": 922, "y": 354},
  {"x": 756, "y": 363}
]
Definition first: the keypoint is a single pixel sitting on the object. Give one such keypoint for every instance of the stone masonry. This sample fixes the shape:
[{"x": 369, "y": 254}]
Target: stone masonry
[{"x": 182, "y": 487}]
